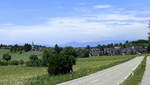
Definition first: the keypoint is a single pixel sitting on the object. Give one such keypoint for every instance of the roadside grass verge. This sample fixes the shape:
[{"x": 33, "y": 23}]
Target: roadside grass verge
[
  {"x": 136, "y": 77},
  {"x": 84, "y": 66}
]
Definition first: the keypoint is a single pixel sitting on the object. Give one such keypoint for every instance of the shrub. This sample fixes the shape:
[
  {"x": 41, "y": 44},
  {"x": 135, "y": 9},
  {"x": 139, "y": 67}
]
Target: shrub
[
  {"x": 6, "y": 57},
  {"x": 21, "y": 62},
  {"x": 69, "y": 51},
  {"x": 14, "y": 62},
  {"x": 3, "y": 62},
  {"x": 34, "y": 63},
  {"x": 61, "y": 64},
  {"x": 83, "y": 53},
  {"x": 46, "y": 54},
  {"x": 33, "y": 57}
]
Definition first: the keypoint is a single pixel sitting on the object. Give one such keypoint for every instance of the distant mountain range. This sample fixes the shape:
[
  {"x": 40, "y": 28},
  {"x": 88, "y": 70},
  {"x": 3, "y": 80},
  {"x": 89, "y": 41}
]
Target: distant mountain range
[{"x": 84, "y": 44}]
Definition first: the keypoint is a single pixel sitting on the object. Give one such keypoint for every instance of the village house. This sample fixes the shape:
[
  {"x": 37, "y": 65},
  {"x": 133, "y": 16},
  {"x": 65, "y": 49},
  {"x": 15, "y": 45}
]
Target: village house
[{"x": 117, "y": 50}]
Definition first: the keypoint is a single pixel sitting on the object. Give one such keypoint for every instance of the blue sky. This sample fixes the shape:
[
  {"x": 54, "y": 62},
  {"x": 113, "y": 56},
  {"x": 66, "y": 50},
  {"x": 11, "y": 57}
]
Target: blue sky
[{"x": 62, "y": 21}]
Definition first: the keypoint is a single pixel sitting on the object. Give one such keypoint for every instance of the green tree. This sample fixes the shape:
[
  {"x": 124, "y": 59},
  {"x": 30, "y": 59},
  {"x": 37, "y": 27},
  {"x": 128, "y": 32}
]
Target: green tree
[
  {"x": 6, "y": 57},
  {"x": 69, "y": 51},
  {"x": 57, "y": 49},
  {"x": 27, "y": 47},
  {"x": 33, "y": 57},
  {"x": 34, "y": 61},
  {"x": 46, "y": 54},
  {"x": 61, "y": 64},
  {"x": 83, "y": 53},
  {"x": 16, "y": 48}
]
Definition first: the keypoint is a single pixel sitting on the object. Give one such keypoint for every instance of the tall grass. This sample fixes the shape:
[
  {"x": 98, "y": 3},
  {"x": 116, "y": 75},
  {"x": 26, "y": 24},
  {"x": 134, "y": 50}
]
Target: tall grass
[{"x": 17, "y": 75}]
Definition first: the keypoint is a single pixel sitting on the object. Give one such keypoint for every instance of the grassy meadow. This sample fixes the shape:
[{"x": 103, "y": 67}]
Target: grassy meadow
[
  {"x": 17, "y": 56},
  {"x": 22, "y": 75},
  {"x": 17, "y": 75}
]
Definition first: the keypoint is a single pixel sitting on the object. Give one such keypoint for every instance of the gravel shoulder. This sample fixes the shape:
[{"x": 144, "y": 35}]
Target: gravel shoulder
[
  {"x": 111, "y": 76},
  {"x": 146, "y": 77}
]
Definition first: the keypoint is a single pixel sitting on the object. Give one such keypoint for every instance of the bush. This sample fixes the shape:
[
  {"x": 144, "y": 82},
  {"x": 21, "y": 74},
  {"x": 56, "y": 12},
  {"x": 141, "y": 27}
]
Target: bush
[
  {"x": 6, "y": 57},
  {"x": 83, "y": 53},
  {"x": 3, "y": 62},
  {"x": 33, "y": 57},
  {"x": 14, "y": 62},
  {"x": 61, "y": 64},
  {"x": 46, "y": 54},
  {"x": 21, "y": 62},
  {"x": 69, "y": 51},
  {"x": 34, "y": 63}
]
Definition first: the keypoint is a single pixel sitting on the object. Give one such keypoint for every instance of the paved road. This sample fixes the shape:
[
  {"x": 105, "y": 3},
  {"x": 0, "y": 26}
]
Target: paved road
[
  {"x": 146, "y": 77},
  {"x": 111, "y": 76}
]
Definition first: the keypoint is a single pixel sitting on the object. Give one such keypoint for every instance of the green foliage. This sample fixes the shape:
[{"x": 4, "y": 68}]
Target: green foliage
[
  {"x": 14, "y": 62},
  {"x": 61, "y": 64},
  {"x": 34, "y": 61},
  {"x": 16, "y": 48},
  {"x": 148, "y": 48},
  {"x": 46, "y": 54},
  {"x": 69, "y": 51},
  {"x": 6, "y": 57},
  {"x": 33, "y": 57},
  {"x": 57, "y": 49},
  {"x": 21, "y": 62},
  {"x": 3, "y": 63},
  {"x": 83, "y": 53},
  {"x": 27, "y": 47}
]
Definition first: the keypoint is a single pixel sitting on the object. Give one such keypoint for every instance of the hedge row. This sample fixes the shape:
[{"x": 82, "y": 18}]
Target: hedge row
[{"x": 12, "y": 62}]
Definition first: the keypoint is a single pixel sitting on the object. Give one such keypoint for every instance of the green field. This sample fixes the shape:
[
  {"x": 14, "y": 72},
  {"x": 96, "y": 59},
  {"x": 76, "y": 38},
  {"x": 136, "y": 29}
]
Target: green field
[
  {"x": 19, "y": 75},
  {"x": 17, "y": 56}
]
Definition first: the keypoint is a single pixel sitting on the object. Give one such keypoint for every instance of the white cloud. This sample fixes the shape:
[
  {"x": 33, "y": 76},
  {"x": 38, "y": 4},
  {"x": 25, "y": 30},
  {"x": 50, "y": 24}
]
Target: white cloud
[
  {"x": 68, "y": 29},
  {"x": 95, "y": 27},
  {"x": 102, "y": 6}
]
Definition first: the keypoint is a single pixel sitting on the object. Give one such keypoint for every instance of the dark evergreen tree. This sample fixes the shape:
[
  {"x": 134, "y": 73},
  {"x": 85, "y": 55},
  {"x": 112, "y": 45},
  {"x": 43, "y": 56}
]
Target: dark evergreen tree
[
  {"x": 27, "y": 47},
  {"x": 57, "y": 49}
]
